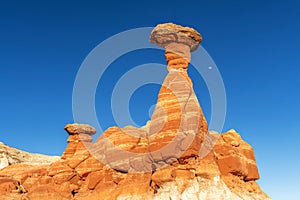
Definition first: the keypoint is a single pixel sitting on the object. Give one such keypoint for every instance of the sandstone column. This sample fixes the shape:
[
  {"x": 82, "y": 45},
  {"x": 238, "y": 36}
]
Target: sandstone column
[
  {"x": 177, "y": 127},
  {"x": 178, "y": 117}
]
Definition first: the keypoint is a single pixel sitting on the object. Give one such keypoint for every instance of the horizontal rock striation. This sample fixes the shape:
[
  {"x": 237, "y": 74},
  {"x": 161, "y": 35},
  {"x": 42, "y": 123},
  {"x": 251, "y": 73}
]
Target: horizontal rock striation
[
  {"x": 84, "y": 177},
  {"x": 161, "y": 160},
  {"x": 177, "y": 127}
]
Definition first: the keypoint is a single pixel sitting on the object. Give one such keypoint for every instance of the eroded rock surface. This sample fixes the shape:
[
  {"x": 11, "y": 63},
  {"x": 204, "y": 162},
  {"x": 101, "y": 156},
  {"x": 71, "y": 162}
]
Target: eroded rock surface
[
  {"x": 10, "y": 156},
  {"x": 177, "y": 127},
  {"x": 161, "y": 160},
  {"x": 234, "y": 156},
  {"x": 84, "y": 177}
]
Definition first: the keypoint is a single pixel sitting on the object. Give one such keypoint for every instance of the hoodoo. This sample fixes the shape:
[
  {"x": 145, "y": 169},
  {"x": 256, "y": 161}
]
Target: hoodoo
[{"x": 158, "y": 161}]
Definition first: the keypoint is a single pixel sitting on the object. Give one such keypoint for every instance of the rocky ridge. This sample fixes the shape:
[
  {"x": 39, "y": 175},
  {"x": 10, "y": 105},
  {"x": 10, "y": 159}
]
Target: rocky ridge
[
  {"x": 11, "y": 156},
  {"x": 162, "y": 160}
]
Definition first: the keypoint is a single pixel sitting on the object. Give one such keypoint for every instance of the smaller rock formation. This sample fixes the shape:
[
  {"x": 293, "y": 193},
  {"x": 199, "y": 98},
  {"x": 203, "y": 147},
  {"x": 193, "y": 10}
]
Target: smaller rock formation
[
  {"x": 79, "y": 135},
  {"x": 236, "y": 157}
]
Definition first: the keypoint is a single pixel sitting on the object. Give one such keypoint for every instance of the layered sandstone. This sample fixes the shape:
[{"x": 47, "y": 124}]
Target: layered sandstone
[
  {"x": 177, "y": 127},
  {"x": 234, "y": 156},
  {"x": 84, "y": 177},
  {"x": 79, "y": 135},
  {"x": 161, "y": 160}
]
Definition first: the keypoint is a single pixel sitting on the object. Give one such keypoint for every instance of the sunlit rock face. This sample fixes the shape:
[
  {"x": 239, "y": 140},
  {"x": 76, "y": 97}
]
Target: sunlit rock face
[
  {"x": 234, "y": 156},
  {"x": 84, "y": 177},
  {"x": 158, "y": 161},
  {"x": 177, "y": 127},
  {"x": 11, "y": 156}
]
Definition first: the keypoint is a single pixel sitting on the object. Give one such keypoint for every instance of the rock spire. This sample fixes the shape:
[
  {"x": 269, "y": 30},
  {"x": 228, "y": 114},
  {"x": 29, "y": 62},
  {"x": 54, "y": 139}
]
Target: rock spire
[{"x": 158, "y": 161}]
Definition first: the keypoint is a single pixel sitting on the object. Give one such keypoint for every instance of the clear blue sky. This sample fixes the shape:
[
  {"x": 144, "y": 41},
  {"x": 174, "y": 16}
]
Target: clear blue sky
[{"x": 255, "y": 45}]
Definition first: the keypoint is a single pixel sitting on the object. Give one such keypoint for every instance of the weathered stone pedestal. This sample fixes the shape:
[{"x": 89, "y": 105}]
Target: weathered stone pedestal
[{"x": 79, "y": 136}]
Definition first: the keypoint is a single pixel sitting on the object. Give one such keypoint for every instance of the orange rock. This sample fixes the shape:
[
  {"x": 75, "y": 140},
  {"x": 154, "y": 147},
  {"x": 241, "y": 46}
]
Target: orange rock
[
  {"x": 234, "y": 165},
  {"x": 77, "y": 158},
  {"x": 80, "y": 137},
  {"x": 45, "y": 180},
  {"x": 47, "y": 192},
  {"x": 63, "y": 177},
  {"x": 183, "y": 174},
  {"x": 235, "y": 156},
  {"x": 7, "y": 184},
  {"x": 161, "y": 160},
  {"x": 134, "y": 184},
  {"x": 177, "y": 111},
  {"x": 87, "y": 166},
  {"x": 162, "y": 176},
  {"x": 178, "y": 126},
  {"x": 252, "y": 172},
  {"x": 94, "y": 178},
  {"x": 58, "y": 167}
]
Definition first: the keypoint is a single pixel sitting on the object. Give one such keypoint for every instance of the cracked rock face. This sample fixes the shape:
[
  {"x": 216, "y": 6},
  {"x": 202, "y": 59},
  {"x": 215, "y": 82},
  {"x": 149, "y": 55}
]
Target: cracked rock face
[{"x": 158, "y": 161}]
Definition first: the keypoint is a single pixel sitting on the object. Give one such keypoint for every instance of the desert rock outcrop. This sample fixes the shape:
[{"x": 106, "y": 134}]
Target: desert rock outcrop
[
  {"x": 10, "y": 156},
  {"x": 177, "y": 127},
  {"x": 158, "y": 161}
]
